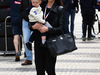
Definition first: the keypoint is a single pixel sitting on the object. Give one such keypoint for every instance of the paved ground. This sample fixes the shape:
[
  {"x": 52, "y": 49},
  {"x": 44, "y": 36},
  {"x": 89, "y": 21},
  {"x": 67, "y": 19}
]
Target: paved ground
[{"x": 84, "y": 61}]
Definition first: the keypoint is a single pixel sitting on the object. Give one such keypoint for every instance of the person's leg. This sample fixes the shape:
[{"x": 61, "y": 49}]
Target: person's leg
[
  {"x": 82, "y": 28},
  {"x": 90, "y": 24},
  {"x": 72, "y": 21},
  {"x": 44, "y": 62},
  {"x": 16, "y": 32},
  {"x": 85, "y": 25},
  {"x": 43, "y": 37},
  {"x": 16, "y": 43},
  {"x": 26, "y": 36},
  {"x": 29, "y": 43},
  {"x": 91, "y": 31},
  {"x": 40, "y": 60},
  {"x": 66, "y": 22},
  {"x": 31, "y": 38},
  {"x": 50, "y": 62},
  {"x": 94, "y": 19}
]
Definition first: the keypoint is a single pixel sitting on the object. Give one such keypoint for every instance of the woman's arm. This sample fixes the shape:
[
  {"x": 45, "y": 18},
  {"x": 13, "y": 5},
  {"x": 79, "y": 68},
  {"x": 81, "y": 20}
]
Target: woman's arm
[{"x": 60, "y": 27}]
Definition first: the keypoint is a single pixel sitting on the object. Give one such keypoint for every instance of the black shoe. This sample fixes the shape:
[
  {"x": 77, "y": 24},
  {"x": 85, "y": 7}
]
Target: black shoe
[
  {"x": 90, "y": 38},
  {"x": 83, "y": 38},
  {"x": 17, "y": 57},
  {"x": 93, "y": 36},
  {"x": 29, "y": 46}
]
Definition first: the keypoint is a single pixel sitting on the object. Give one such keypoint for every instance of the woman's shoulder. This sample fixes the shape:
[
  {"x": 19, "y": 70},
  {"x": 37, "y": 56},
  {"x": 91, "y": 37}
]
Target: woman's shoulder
[{"x": 60, "y": 9}]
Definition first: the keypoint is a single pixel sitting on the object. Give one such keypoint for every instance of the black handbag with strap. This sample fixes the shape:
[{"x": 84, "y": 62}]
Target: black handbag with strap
[{"x": 61, "y": 44}]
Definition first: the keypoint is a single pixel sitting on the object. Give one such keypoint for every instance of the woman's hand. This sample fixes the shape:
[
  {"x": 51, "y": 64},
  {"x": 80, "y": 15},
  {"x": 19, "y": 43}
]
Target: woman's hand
[
  {"x": 36, "y": 25},
  {"x": 43, "y": 29}
]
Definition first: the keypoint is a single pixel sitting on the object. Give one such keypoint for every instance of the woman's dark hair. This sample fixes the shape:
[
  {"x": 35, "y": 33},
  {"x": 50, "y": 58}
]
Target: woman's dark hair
[{"x": 59, "y": 2}]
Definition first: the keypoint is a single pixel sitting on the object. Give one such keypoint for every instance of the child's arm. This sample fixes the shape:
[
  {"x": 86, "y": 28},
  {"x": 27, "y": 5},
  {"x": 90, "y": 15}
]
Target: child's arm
[{"x": 38, "y": 17}]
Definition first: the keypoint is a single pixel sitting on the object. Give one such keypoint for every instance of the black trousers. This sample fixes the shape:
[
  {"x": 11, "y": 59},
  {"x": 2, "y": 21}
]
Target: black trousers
[
  {"x": 44, "y": 61},
  {"x": 88, "y": 18}
]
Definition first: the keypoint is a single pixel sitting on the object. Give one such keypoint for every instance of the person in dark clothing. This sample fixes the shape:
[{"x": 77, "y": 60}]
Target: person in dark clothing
[
  {"x": 71, "y": 7},
  {"x": 88, "y": 12},
  {"x": 44, "y": 61},
  {"x": 16, "y": 25},
  {"x": 26, "y": 31}
]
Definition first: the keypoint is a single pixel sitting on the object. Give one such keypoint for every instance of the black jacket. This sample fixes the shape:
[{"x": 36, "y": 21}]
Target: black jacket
[
  {"x": 88, "y": 5},
  {"x": 57, "y": 23},
  {"x": 75, "y": 5},
  {"x": 24, "y": 4},
  {"x": 69, "y": 5}
]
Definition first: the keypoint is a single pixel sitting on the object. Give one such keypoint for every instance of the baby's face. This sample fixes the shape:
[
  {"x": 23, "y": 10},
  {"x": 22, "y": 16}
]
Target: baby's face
[{"x": 36, "y": 3}]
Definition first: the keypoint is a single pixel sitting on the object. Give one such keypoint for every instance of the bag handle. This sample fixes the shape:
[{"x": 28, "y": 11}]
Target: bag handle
[{"x": 98, "y": 26}]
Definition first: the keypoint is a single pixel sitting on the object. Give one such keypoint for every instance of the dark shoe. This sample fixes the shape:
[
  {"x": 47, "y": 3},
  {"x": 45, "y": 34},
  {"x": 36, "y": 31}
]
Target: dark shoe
[
  {"x": 92, "y": 35},
  {"x": 27, "y": 62},
  {"x": 83, "y": 38},
  {"x": 90, "y": 38},
  {"x": 29, "y": 46},
  {"x": 17, "y": 58}
]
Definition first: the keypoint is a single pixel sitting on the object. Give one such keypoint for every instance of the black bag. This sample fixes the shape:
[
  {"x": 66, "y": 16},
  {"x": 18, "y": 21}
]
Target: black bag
[{"x": 61, "y": 44}]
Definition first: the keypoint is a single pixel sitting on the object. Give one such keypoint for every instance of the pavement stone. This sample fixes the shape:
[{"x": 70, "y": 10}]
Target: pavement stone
[{"x": 84, "y": 61}]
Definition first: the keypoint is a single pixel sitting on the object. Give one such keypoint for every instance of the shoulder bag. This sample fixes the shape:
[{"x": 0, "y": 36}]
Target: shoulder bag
[{"x": 61, "y": 44}]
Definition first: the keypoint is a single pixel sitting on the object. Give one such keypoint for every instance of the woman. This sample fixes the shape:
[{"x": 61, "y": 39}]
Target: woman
[
  {"x": 54, "y": 15},
  {"x": 88, "y": 12}
]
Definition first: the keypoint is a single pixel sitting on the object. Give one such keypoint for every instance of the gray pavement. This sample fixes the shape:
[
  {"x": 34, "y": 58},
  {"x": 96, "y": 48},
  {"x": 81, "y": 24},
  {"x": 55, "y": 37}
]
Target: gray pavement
[{"x": 84, "y": 61}]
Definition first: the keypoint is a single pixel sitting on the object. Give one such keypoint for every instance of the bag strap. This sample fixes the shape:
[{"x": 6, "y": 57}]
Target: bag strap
[{"x": 98, "y": 26}]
